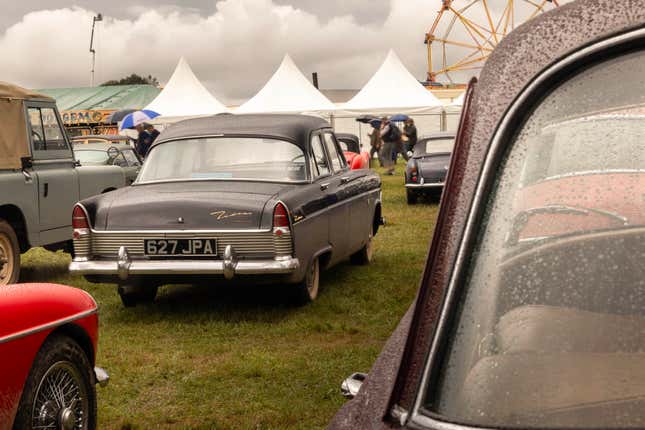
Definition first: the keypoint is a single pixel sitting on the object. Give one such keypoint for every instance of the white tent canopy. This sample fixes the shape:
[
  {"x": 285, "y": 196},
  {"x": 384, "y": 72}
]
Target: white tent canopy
[
  {"x": 393, "y": 89},
  {"x": 185, "y": 96},
  {"x": 459, "y": 101},
  {"x": 288, "y": 90}
]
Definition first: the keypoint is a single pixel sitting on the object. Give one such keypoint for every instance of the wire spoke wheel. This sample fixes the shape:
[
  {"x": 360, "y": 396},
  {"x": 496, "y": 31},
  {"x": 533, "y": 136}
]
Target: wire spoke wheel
[
  {"x": 61, "y": 401},
  {"x": 465, "y": 33}
]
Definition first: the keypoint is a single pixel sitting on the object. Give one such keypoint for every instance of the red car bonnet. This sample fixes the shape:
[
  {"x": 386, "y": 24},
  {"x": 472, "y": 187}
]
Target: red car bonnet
[{"x": 30, "y": 306}]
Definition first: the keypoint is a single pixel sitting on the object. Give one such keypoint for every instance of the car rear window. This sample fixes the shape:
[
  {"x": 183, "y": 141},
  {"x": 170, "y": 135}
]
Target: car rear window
[
  {"x": 91, "y": 156},
  {"x": 550, "y": 328},
  {"x": 225, "y": 158}
]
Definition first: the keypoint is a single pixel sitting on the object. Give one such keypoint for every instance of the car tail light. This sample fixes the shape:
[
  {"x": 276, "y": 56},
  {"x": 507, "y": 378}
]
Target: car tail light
[
  {"x": 280, "y": 219},
  {"x": 80, "y": 223},
  {"x": 413, "y": 173}
]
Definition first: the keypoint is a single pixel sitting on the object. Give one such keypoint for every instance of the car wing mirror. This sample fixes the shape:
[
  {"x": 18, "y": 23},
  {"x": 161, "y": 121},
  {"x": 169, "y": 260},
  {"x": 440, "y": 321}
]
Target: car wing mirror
[
  {"x": 26, "y": 163},
  {"x": 352, "y": 385},
  {"x": 410, "y": 154}
]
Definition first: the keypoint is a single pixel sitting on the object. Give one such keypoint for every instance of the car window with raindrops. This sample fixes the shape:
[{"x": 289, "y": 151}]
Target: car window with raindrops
[{"x": 550, "y": 328}]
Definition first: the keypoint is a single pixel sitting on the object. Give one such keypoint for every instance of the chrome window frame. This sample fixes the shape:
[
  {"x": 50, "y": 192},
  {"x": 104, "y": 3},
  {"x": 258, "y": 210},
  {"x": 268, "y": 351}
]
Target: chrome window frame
[{"x": 550, "y": 78}]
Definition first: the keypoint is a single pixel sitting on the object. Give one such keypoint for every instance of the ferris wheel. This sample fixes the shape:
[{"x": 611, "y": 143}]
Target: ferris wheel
[{"x": 465, "y": 32}]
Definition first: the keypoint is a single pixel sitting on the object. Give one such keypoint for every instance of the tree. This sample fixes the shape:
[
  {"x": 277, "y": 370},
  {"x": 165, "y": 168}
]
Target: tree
[{"x": 133, "y": 79}]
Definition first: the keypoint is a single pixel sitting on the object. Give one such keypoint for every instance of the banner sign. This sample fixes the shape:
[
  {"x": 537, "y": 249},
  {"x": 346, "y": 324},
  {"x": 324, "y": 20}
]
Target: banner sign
[{"x": 76, "y": 117}]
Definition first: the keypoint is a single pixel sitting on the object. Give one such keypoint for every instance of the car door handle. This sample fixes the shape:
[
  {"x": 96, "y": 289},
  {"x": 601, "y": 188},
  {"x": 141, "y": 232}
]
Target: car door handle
[
  {"x": 324, "y": 186},
  {"x": 344, "y": 180},
  {"x": 46, "y": 189},
  {"x": 28, "y": 178}
]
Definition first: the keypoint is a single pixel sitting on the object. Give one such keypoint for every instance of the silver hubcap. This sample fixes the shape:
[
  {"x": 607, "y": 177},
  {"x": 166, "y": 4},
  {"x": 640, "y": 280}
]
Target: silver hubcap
[
  {"x": 6, "y": 260},
  {"x": 61, "y": 401}
]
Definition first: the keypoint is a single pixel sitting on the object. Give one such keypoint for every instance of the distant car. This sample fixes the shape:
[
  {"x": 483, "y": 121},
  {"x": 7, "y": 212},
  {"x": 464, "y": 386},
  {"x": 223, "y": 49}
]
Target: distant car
[
  {"x": 351, "y": 147},
  {"x": 427, "y": 168},
  {"x": 115, "y": 139},
  {"x": 261, "y": 197},
  {"x": 48, "y": 339},
  {"x": 109, "y": 154},
  {"x": 531, "y": 311}
]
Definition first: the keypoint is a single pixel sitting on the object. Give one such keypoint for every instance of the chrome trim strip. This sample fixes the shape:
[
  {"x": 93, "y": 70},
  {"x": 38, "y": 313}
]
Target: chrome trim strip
[
  {"x": 167, "y": 181},
  {"x": 187, "y": 232},
  {"x": 416, "y": 416},
  {"x": 426, "y": 185},
  {"x": 186, "y": 267},
  {"x": 47, "y": 326},
  {"x": 323, "y": 210}
]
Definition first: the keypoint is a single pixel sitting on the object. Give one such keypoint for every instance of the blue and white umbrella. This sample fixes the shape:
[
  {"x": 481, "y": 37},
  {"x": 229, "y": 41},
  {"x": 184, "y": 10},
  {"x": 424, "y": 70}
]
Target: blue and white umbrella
[{"x": 133, "y": 119}]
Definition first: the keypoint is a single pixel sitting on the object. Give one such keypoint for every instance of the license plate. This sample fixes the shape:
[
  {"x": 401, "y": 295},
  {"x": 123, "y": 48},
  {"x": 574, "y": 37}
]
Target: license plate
[{"x": 180, "y": 247}]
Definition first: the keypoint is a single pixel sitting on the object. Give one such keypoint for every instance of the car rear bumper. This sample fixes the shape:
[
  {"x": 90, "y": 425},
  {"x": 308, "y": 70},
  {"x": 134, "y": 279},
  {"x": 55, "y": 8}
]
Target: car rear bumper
[
  {"x": 425, "y": 185},
  {"x": 229, "y": 266}
]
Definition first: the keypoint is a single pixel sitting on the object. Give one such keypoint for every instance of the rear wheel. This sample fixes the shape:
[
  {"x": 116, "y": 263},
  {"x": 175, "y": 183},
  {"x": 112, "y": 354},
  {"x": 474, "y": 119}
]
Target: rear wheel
[
  {"x": 307, "y": 290},
  {"x": 364, "y": 256},
  {"x": 60, "y": 391},
  {"x": 412, "y": 197},
  {"x": 9, "y": 255},
  {"x": 135, "y": 293}
]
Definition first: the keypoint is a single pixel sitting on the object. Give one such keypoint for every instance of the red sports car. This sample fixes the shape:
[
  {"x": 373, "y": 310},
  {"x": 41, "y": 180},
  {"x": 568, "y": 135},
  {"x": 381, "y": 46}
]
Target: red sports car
[
  {"x": 351, "y": 147},
  {"x": 48, "y": 339}
]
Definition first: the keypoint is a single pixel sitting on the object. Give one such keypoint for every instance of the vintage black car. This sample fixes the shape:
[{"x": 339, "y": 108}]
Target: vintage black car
[
  {"x": 531, "y": 311},
  {"x": 233, "y": 196},
  {"x": 425, "y": 173}
]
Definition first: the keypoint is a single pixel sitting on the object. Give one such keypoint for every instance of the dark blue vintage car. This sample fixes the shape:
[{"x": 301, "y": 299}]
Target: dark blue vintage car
[
  {"x": 427, "y": 168},
  {"x": 266, "y": 197}
]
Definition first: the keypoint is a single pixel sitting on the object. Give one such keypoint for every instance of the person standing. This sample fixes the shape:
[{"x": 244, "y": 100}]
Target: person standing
[
  {"x": 390, "y": 134},
  {"x": 144, "y": 140},
  {"x": 410, "y": 131},
  {"x": 375, "y": 144},
  {"x": 152, "y": 131}
]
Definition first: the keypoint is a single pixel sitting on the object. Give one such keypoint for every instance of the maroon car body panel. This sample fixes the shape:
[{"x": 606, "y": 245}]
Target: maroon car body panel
[{"x": 515, "y": 64}]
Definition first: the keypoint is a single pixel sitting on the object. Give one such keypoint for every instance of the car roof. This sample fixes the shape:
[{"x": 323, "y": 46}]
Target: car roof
[{"x": 294, "y": 128}]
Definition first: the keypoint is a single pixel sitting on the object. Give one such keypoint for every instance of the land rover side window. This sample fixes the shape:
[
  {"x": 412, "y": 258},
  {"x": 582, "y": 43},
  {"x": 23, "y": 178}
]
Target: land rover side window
[
  {"x": 337, "y": 159},
  {"x": 550, "y": 324},
  {"x": 47, "y": 134},
  {"x": 321, "y": 165},
  {"x": 37, "y": 132}
]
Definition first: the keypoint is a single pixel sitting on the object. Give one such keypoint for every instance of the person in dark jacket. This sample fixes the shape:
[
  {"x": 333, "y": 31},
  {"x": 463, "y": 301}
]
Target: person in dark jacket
[
  {"x": 144, "y": 140},
  {"x": 152, "y": 131},
  {"x": 410, "y": 131},
  {"x": 391, "y": 136}
]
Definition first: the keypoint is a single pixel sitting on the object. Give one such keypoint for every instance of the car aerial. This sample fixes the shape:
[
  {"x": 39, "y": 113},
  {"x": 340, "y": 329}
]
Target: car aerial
[
  {"x": 48, "y": 340},
  {"x": 266, "y": 197},
  {"x": 546, "y": 332},
  {"x": 351, "y": 147},
  {"x": 426, "y": 170},
  {"x": 109, "y": 154},
  {"x": 40, "y": 181}
]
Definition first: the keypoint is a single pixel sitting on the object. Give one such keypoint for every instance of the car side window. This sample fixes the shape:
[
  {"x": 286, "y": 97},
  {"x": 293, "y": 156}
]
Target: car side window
[
  {"x": 131, "y": 157},
  {"x": 337, "y": 158},
  {"x": 37, "y": 132},
  {"x": 552, "y": 302},
  {"x": 120, "y": 161},
  {"x": 321, "y": 165},
  {"x": 47, "y": 134}
]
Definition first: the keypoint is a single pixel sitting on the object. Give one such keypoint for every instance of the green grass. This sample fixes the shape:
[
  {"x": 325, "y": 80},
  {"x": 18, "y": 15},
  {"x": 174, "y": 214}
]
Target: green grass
[{"x": 236, "y": 357}]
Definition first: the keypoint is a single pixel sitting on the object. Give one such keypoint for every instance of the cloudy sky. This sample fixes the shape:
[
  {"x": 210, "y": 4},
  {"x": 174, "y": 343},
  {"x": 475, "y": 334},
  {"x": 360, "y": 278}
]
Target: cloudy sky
[{"x": 233, "y": 45}]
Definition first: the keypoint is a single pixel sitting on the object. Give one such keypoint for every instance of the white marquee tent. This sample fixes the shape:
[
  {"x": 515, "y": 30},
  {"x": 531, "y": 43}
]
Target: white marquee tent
[
  {"x": 185, "y": 96},
  {"x": 288, "y": 90},
  {"x": 393, "y": 89}
]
